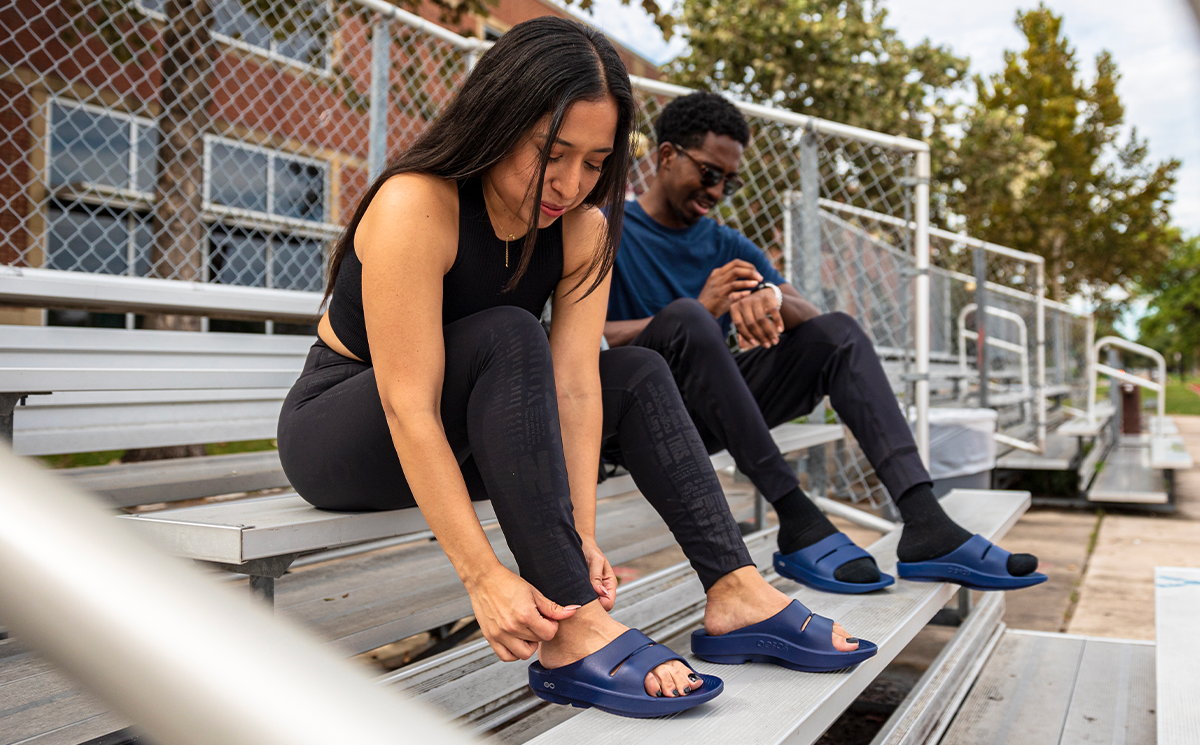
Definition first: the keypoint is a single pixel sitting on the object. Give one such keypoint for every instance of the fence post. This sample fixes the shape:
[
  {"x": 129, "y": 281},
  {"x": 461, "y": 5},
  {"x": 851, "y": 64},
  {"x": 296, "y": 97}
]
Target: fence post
[
  {"x": 810, "y": 244},
  {"x": 1114, "y": 395},
  {"x": 921, "y": 315},
  {"x": 981, "y": 351},
  {"x": 1040, "y": 383},
  {"x": 380, "y": 64}
]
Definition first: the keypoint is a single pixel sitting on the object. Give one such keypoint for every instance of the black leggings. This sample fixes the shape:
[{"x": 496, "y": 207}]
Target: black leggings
[{"x": 500, "y": 415}]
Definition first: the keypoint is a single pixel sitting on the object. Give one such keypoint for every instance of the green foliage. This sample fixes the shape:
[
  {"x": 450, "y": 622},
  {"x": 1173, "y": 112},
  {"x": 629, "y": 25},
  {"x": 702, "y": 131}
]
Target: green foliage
[
  {"x": 1040, "y": 168},
  {"x": 1181, "y": 399},
  {"x": 834, "y": 59},
  {"x": 1173, "y": 323},
  {"x": 105, "y": 457}
]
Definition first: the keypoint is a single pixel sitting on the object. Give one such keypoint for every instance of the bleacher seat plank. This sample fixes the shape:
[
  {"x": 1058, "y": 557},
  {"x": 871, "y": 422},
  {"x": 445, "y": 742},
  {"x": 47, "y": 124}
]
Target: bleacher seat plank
[
  {"x": 1128, "y": 477},
  {"x": 790, "y": 438},
  {"x": 177, "y": 479},
  {"x": 390, "y": 595},
  {"x": 1114, "y": 700},
  {"x": 240, "y": 531},
  {"x": 41, "y": 288},
  {"x": 1050, "y": 689},
  {"x": 40, "y": 706},
  {"x": 1176, "y": 608},
  {"x": 237, "y": 532}
]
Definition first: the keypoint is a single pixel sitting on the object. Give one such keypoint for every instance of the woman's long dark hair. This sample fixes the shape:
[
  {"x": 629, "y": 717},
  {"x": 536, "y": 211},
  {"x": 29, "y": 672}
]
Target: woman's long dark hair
[{"x": 539, "y": 68}]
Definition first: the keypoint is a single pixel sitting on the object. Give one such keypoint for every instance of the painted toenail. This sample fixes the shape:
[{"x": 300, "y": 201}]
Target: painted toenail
[
  {"x": 694, "y": 678},
  {"x": 659, "y": 694},
  {"x": 851, "y": 640},
  {"x": 676, "y": 692}
]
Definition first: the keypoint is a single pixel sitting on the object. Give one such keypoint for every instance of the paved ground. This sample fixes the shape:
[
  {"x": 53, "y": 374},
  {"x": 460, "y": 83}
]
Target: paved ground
[{"x": 1116, "y": 597}]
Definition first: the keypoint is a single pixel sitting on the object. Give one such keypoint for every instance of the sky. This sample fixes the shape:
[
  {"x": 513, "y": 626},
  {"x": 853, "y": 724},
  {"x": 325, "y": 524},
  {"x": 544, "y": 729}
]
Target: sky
[{"x": 1155, "y": 43}]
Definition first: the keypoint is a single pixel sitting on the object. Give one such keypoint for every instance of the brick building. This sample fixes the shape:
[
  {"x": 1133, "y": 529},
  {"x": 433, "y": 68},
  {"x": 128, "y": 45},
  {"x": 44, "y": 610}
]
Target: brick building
[{"x": 283, "y": 106}]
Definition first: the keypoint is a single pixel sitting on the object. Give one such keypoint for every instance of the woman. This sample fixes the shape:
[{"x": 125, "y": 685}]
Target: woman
[{"x": 433, "y": 383}]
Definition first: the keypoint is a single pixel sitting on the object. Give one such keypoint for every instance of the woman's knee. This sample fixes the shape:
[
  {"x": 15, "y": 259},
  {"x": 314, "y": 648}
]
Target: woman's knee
[{"x": 504, "y": 328}]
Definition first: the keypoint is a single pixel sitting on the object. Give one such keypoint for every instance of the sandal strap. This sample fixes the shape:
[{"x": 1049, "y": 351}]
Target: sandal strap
[{"x": 633, "y": 671}]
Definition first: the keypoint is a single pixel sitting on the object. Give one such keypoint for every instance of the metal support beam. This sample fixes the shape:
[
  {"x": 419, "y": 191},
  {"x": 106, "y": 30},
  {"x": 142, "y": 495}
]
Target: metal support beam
[
  {"x": 981, "y": 341},
  {"x": 262, "y": 574},
  {"x": 921, "y": 316},
  {"x": 377, "y": 133}
]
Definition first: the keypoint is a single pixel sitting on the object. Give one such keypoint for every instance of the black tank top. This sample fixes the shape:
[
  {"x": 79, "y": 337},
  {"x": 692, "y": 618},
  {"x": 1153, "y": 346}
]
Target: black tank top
[{"x": 476, "y": 281}]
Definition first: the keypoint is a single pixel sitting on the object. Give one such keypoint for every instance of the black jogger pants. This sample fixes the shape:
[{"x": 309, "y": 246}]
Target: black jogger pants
[
  {"x": 500, "y": 415},
  {"x": 734, "y": 399}
]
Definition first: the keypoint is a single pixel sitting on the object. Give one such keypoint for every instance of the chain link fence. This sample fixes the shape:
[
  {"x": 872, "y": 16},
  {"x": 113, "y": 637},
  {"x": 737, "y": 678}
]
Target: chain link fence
[
  {"x": 221, "y": 141},
  {"x": 227, "y": 141}
]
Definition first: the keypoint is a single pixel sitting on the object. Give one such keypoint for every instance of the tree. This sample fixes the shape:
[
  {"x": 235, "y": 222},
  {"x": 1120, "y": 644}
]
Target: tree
[
  {"x": 833, "y": 59},
  {"x": 1173, "y": 324},
  {"x": 1041, "y": 168}
]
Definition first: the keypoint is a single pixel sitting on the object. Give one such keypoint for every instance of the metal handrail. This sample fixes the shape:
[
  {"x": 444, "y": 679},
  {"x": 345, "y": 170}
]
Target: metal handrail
[
  {"x": 1112, "y": 372},
  {"x": 188, "y": 661}
]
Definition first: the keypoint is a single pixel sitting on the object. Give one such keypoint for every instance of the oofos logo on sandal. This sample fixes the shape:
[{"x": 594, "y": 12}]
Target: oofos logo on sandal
[{"x": 548, "y": 684}]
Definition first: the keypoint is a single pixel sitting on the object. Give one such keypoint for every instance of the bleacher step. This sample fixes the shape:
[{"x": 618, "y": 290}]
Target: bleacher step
[
  {"x": 1176, "y": 608},
  {"x": 1128, "y": 477},
  {"x": 1058, "y": 689},
  {"x": 769, "y": 704},
  {"x": 177, "y": 479}
]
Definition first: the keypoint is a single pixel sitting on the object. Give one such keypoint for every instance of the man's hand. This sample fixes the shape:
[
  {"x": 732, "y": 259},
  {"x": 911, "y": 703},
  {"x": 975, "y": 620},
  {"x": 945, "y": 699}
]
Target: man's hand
[
  {"x": 757, "y": 318},
  {"x": 725, "y": 283}
]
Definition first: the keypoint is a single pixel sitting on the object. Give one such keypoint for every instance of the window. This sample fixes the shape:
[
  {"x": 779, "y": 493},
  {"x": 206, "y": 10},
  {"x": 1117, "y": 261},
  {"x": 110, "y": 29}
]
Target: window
[
  {"x": 294, "y": 31},
  {"x": 265, "y": 181},
  {"x": 246, "y": 184},
  {"x": 103, "y": 154},
  {"x": 265, "y": 209}
]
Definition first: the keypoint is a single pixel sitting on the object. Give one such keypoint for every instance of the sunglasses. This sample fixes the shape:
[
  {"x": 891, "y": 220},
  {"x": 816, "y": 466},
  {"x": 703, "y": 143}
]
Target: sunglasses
[{"x": 710, "y": 177}]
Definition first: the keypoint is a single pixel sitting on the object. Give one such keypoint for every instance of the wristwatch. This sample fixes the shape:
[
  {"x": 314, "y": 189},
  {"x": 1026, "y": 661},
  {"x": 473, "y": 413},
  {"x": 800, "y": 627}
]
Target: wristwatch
[{"x": 778, "y": 292}]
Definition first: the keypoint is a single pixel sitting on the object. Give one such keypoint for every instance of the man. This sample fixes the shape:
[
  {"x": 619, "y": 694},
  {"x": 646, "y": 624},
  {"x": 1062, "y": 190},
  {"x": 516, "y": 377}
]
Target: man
[{"x": 681, "y": 280}]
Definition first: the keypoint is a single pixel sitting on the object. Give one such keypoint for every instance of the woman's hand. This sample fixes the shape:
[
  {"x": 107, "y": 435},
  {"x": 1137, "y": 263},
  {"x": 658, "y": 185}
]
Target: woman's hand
[
  {"x": 513, "y": 615},
  {"x": 604, "y": 580}
]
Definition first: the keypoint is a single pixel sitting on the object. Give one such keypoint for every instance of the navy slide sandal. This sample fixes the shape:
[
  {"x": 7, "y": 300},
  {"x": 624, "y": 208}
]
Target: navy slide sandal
[
  {"x": 978, "y": 564},
  {"x": 814, "y": 566},
  {"x": 780, "y": 640},
  {"x": 613, "y": 679}
]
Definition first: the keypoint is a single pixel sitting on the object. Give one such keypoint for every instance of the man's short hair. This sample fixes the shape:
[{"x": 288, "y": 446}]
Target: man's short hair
[{"x": 686, "y": 121}]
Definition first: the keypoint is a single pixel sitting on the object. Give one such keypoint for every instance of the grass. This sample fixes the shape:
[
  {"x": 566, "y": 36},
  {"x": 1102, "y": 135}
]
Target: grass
[
  {"x": 102, "y": 458},
  {"x": 1073, "y": 601},
  {"x": 1180, "y": 399}
]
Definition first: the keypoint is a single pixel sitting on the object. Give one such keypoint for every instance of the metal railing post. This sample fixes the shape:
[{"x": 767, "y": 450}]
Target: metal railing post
[
  {"x": 810, "y": 227},
  {"x": 1040, "y": 380},
  {"x": 921, "y": 315},
  {"x": 380, "y": 65},
  {"x": 1114, "y": 396},
  {"x": 981, "y": 338}
]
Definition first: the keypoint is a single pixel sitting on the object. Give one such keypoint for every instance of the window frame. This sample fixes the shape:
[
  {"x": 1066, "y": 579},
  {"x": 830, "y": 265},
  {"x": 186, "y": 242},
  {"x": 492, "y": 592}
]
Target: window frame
[{"x": 268, "y": 53}]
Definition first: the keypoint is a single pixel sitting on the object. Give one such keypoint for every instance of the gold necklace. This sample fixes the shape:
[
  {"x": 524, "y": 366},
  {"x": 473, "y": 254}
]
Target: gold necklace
[{"x": 511, "y": 237}]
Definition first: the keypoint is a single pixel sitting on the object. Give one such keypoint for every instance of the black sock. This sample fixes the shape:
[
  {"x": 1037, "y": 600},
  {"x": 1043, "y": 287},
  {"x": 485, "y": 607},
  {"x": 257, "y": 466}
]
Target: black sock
[
  {"x": 801, "y": 524},
  {"x": 929, "y": 532}
]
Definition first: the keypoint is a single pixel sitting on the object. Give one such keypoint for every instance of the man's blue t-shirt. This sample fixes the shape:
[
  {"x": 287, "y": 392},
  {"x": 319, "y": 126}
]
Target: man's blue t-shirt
[{"x": 657, "y": 265}]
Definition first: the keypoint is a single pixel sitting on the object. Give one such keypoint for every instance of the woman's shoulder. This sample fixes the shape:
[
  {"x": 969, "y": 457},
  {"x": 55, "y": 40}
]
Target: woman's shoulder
[
  {"x": 582, "y": 229},
  {"x": 426, "y": 205},
  {"x": 418, "y": 190}
]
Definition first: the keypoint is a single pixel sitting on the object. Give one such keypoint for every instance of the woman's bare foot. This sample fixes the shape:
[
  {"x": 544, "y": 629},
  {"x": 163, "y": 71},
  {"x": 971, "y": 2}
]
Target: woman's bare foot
[
  {"x": 743, "y": 597},
  {"x": 589, "y": 630}
]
